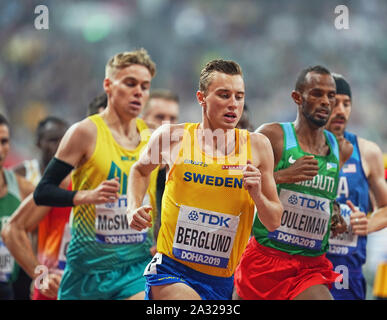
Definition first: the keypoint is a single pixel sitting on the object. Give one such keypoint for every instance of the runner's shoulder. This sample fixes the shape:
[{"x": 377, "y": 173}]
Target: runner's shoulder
[{"x": 272, "y": 130}]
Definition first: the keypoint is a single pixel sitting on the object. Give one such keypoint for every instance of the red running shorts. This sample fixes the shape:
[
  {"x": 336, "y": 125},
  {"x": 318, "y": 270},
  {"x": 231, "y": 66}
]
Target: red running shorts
[{"x": 268, "y": 274}]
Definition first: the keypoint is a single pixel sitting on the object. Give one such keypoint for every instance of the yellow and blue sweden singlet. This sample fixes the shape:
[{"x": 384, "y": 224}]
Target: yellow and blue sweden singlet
[
  {"x": 206, "y": 212},
  {"x": 101, "y": 238}
]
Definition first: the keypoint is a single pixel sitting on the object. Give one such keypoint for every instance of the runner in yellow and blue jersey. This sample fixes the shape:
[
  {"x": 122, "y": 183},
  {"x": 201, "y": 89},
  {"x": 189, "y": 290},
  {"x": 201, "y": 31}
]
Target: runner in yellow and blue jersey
[
  {"x": 216, "y": 175},
  {"x": 105, "y": 258}
]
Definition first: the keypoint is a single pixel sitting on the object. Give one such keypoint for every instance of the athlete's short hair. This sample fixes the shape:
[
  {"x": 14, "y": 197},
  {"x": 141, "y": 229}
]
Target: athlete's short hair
[
  {"x": 218, "y": 65},
  {"x": 342, "y": 85},
  {"x": 301, "y": 79},
  {"x": 160, "y": 94},
  {"x": 128, "y": 58},
  {"x": 44, "y": 122},
  {"x": 99, "y": 101},
  {"x": 4, "y": 121}
]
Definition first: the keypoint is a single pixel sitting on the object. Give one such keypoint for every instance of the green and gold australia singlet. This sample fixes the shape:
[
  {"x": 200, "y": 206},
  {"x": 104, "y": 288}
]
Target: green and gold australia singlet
[{"x": 101, "y": 238}]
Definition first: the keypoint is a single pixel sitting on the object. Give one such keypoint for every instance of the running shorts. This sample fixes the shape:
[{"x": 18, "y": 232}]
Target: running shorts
[
  {"x": 164, "y": 270},
  {"x": 114, "y": 284},
  {"x": 268, "y": 274}
]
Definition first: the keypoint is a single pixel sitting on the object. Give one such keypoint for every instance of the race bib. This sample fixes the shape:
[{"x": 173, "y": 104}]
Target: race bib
[
  {"x": 7, "y": 263},
  {"x": 304, "y": 221},
  {"x": 151, "y": 268},
  {"x": 345, "y": 242},
  {"x": 112, "y": 227},
  {"x": 204, "y": 237},
  {"x": 64, "y": 244}
]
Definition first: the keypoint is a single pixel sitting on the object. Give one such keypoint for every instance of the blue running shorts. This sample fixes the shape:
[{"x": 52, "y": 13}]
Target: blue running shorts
[{"x": 164, "y": 270}]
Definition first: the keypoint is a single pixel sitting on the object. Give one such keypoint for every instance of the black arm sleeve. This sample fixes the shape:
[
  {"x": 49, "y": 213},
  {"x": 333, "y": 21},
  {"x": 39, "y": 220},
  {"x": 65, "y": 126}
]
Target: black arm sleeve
[{"x": 48, "y": 192}]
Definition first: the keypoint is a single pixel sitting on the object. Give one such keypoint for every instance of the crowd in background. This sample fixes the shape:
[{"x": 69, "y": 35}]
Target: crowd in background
[{"x": 59, "y": 70}]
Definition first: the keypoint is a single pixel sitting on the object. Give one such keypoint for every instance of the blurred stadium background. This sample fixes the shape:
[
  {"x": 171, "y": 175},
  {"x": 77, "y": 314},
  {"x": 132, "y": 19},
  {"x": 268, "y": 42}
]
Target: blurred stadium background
[{"x": 60, "y": 70}]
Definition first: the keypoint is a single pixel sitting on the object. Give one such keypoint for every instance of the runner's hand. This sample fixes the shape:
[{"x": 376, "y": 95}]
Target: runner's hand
[
  {"x": 52, "y": 288},
  {"x": 140, "y": 218},
  {"x": 359, "y": 220},
  {"x": 252, "y": 179},
  {"x": 107, "y": 191},
  {"x": 304, "y": 168}
]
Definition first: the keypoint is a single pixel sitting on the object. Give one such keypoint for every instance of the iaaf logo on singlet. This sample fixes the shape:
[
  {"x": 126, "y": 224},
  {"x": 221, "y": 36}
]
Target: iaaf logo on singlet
[
  {"x": 307, "y": 202},
  {"x": 196, "y": 163},
  {"x": 210, "y": 219},
  {"x": 232, "y": 167}
]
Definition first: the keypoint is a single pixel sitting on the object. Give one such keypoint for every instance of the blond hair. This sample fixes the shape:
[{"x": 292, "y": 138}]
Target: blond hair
[{"x": 128, "y": 58}]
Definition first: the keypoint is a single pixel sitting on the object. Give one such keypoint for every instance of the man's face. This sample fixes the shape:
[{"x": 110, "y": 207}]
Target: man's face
[
  {"x": 128, "y": 89},
  {"x": 50, "y": 138},
  {"x": 318, "y": 98},
  {"x": 224, "y": 101},
  {"x": 4, "y": 143},
  {"x": 340, "y": 114},
  {"x": 162, "y": 110}
]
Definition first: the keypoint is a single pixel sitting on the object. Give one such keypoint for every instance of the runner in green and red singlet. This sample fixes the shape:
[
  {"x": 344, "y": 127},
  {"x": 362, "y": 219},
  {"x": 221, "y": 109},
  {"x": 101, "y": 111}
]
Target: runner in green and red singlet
[{"x": 290, "y": 262}]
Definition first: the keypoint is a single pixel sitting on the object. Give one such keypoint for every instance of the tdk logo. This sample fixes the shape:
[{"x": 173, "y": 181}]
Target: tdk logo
[
  {"x": 311, "y": 203},
  {"x": 306, "y": 202},
  {"x": 193, "y": 215},
  {"x": 208, "y": 218},
  {"x": 293, "y": 199}
]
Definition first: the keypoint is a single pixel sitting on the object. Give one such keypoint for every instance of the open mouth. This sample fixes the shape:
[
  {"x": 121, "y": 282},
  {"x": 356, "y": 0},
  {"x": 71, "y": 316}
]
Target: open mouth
[
  {"x": 135, "y": 104},
  {"x": 322, "y": 113},
  {"x": 230, "y": 116}
]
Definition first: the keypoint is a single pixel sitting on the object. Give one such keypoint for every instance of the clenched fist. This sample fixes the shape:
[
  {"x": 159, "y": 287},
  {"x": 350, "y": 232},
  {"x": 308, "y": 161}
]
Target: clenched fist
[
  {"x": 140, "y": 218},
  {"x": 252, "y": 179}
]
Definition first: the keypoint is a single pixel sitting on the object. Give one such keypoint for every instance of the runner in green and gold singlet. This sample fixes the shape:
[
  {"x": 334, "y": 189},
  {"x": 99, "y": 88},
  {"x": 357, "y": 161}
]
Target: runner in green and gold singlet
[{"x": 106, "y": 258}]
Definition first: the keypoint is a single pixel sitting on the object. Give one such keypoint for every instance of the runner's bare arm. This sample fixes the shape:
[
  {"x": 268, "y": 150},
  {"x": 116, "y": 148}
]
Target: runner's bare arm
[
  {"x": 158, "y": 150},
  {"x": 373, "y": 158},
  {"x": 25, "y": 186},
  {"x": 274, "y": 133},
  {"x": 25, "y": 220},
  {"x": 265, "y": 196},
  {"x": 15, "y": 233},
  {"x": 76, "y": 147}
]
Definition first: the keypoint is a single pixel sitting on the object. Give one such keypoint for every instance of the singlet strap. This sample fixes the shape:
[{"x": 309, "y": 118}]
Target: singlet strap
[
  {"x": 13, "y": 186},
  {"x": 333, "y": 142},
  {"x": 290, "y": 137}
]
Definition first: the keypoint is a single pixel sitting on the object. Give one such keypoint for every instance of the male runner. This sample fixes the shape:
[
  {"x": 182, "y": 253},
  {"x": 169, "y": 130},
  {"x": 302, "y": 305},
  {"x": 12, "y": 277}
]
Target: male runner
[
  {"x": 361, "y": 173},
  {"x": 51, "y": 223},
  {"x": 49, "y": 132},
  {"x": 105, "y": 258},
  {"x": 14, "y": 283},
  {"x": 216, "y": 175},
  {"x": 290, "y": 262}
]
